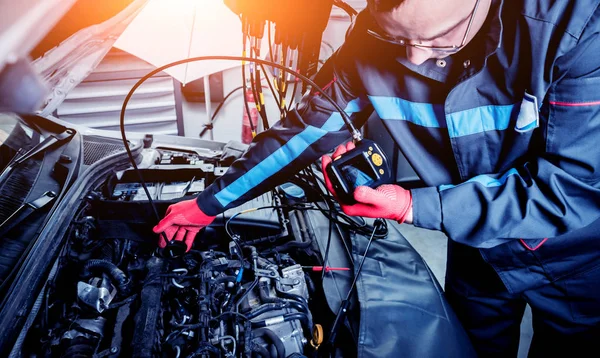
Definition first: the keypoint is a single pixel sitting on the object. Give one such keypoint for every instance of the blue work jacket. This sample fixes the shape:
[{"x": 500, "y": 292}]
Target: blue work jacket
[{"x": 505, "y": 134}]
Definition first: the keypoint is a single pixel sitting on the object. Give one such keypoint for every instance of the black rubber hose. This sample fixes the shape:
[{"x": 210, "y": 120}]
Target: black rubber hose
[
  {"x": 268, "y": 307},
  {"x": 304, "y": 318},
  {"x": 271, "y": 337},
  {"x": 261, "y": 351},
  {"x": 147, "y": 317},
  {"x": 286, "y": 318},
  {"x": 248, "y": 338},
  {"x": 297, "y": 305},
  {"x": 292, "y": 296},
  {"x": 116, "y": 274},
  {"x": 239, "y": 300},
  {"x": 263, "y": 290}
]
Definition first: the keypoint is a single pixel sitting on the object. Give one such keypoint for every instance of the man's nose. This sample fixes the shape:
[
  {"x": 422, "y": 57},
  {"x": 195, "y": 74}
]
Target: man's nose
[{"x": 418, "y": 55}]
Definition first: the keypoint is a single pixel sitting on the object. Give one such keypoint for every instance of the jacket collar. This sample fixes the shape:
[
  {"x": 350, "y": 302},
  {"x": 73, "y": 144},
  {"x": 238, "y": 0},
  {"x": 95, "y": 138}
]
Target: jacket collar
[{"x": 487, "y": 41}]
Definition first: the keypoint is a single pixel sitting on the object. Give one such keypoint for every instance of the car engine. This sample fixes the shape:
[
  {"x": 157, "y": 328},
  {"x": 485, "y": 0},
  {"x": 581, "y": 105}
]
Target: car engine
[{"x": 112, "y": 293}]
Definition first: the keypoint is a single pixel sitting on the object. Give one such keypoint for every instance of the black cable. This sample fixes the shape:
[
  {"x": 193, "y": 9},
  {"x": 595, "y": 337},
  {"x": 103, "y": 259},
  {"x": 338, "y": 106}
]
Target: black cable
[
  {"x": 262, "y": 66},
  {"x": 293, "y": 99},
  {"x": 232, "y": 235},
  {"x": 362, "y": 261},
  {"x": 224, "y": 100},
  {"x": 258, "y": 86},
  {"x": 270, "y": 86},
  {"x": 254, "y": 87},
  {"x": 208, "y": 127},
  {"x": 326, "y": 256},
  {"x": 248, "y": 290},
  {"x": 245, "y": 86},
  {"x": 132, "y": 160},
  {"x": 310, "y": 174},
  {"x": 234, "y": 238},
  {"x": 344, "y": 115},
  {"x": 220, "y": 106},
  {"x": 349, "y": 222},
  {"x": 345, "y": 304},
  {"x": 346, "y": 7},
  {"x": 282, "y": 81},
  {"x": 229, "y": 313},
  {"x": 295, "y": 88},
  {"x": 362, "y": 228},
  {"x": 328, "y": 46}
]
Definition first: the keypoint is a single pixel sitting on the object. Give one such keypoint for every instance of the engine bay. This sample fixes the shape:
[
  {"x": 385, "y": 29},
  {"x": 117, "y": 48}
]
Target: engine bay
[
  {"x": 278, "y": 276},
  {"x": 246, "y": 288}
]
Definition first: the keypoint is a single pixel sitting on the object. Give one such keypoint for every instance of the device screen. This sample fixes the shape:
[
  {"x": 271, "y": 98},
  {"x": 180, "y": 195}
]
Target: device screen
[{"x": 357, "y": 172}]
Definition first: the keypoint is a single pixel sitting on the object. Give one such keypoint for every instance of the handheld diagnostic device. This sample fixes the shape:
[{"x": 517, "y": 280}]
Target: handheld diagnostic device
[{"x": 365, "y": 165}]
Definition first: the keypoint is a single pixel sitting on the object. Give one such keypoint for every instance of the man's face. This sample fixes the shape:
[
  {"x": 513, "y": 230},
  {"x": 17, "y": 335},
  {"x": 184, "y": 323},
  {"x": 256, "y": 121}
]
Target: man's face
[{"x": 432, "y": 23}]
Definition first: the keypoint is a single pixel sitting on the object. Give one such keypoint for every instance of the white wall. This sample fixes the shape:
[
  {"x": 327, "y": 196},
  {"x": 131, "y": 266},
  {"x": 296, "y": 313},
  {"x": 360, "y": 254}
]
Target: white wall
[{"x": 228, "y": 124}]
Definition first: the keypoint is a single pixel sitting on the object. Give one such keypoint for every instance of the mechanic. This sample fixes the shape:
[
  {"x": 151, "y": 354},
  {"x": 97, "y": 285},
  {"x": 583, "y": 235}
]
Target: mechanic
[{"x": 496, "y": 104}]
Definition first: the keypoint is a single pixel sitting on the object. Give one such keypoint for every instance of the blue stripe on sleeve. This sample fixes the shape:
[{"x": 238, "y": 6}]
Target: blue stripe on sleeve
[
  {"x": 284, "y": 155},
  {"x": 485, "y": 180},
  {"x": 421, "y": 114}
]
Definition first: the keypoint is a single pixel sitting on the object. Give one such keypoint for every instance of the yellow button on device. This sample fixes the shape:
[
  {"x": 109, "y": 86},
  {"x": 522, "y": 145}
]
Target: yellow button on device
[{"x": 377, "y": 159}]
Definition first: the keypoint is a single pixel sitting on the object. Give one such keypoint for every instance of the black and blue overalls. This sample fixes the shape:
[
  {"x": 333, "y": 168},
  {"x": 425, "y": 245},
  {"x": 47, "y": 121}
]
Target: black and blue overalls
[{"x": 506, "y": 136}]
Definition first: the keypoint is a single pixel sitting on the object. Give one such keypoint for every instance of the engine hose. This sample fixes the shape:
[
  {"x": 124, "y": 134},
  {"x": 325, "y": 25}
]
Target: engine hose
[
  {"x": 310, "y": 284},
  {"x": 292, "y": 296},
  {"x": 239, "y": 300},
  {"x": 263, "y": 291},
  {"x": 247, "y": 339},
  {"x": 298, "y": 306},
  {"x": 148, "y": 314},
  {"x": 260, "y": 350},
  {"x": 271, "y": 337},
  {"x": 107, "y": 267},
  {"x": 301, "y": 304},
  {"x": 267, "y": 307},
  {"x": 285, "y": 318}
]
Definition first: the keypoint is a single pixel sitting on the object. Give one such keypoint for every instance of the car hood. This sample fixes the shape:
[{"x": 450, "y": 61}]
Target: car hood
[{"x": 69, "y": 63}]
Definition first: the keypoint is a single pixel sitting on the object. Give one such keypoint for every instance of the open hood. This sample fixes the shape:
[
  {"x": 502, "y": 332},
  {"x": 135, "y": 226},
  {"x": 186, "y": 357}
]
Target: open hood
[{"x": 66, "y": 65}]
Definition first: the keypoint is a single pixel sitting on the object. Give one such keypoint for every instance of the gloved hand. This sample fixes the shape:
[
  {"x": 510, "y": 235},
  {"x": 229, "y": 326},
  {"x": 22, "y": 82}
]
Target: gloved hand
[
  {"x": 387, "y": 201},
  {"x": 182, "y": 222}
]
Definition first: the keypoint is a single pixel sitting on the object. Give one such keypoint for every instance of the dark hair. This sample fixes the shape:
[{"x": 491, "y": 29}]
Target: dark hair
[{"x": 384, "y": 5}]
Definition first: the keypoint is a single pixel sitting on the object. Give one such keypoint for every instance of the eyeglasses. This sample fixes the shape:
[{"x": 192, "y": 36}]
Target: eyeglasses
[{"x": 447, "y": 49}]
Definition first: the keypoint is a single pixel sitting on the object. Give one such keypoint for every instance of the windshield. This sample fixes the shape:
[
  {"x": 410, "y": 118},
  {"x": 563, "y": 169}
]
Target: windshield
[{"x": 14, "y": 136}]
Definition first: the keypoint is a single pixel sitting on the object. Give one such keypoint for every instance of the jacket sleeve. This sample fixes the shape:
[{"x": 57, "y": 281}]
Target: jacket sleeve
[
  {"x": 309, "y": 131},
  {"x": 553, "y": 192}
]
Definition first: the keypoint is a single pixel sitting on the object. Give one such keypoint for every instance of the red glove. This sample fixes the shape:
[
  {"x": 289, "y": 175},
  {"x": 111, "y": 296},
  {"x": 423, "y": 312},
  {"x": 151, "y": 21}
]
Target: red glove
[
  {"x": 387, "y": 201},
  {"x": 182, "y": 222}
]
